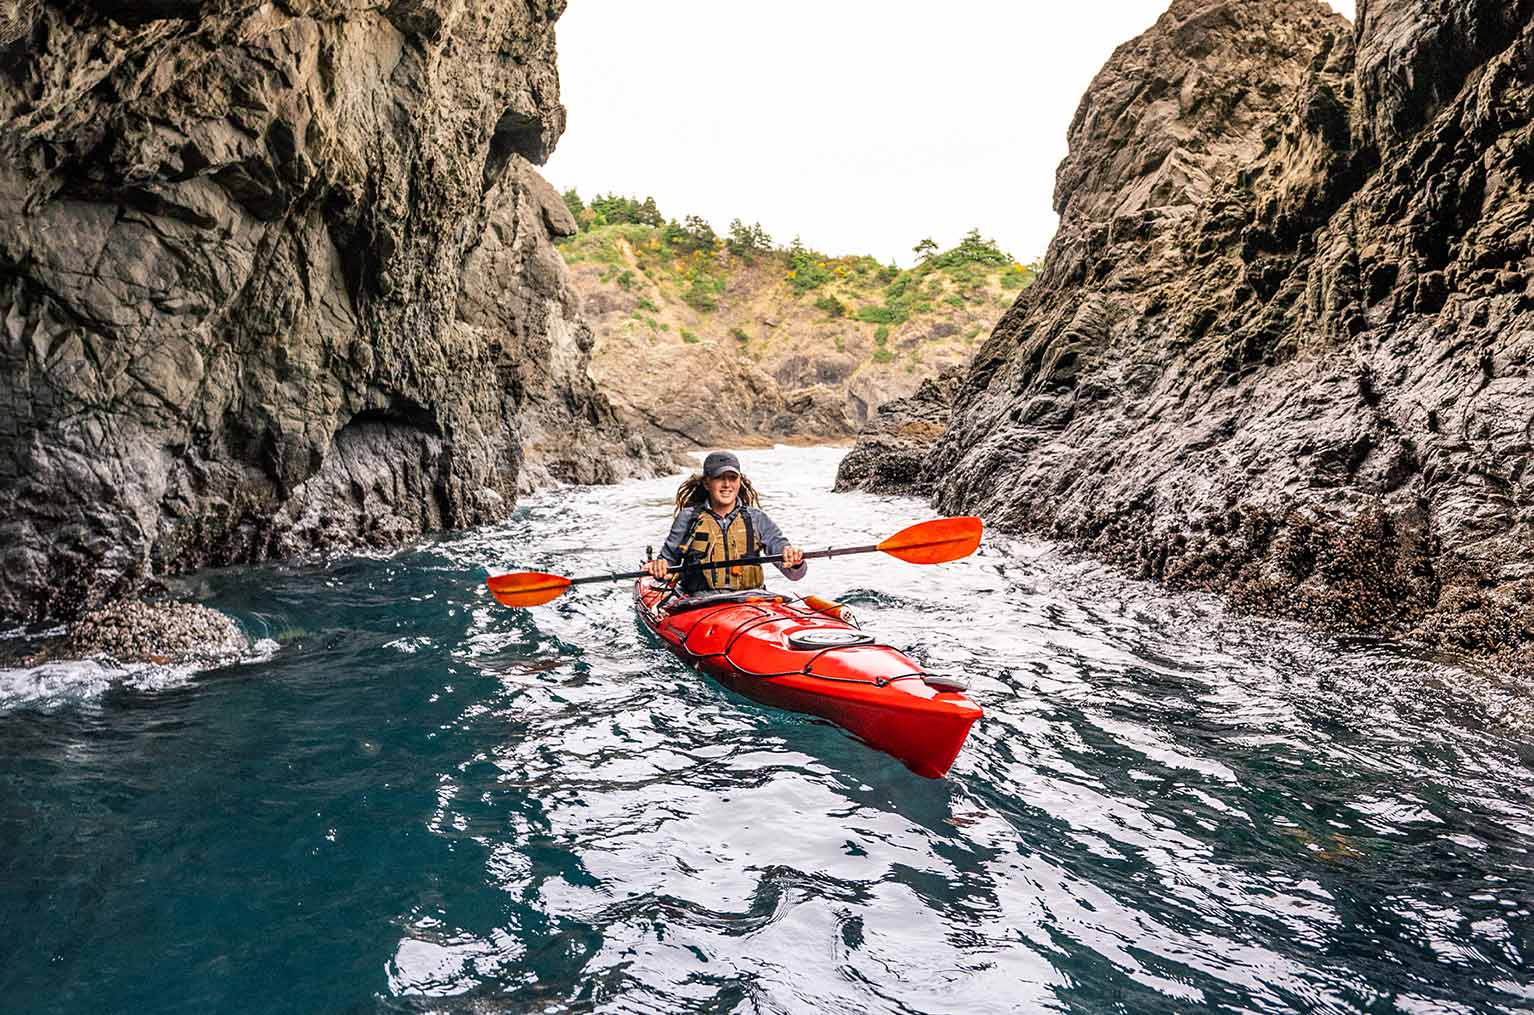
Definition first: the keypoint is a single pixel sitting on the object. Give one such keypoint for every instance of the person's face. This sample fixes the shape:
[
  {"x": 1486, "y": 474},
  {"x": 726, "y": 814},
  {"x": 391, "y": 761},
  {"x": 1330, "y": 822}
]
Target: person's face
[{"x": 722, "y": 490}]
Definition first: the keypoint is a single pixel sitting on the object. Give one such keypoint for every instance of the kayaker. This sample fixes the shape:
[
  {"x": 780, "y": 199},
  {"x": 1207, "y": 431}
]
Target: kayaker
[{"x": 717, "y": 520}]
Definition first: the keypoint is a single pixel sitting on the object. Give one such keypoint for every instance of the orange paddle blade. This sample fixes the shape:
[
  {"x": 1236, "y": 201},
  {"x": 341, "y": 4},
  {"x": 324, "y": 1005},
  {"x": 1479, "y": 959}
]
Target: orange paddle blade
[
  {"x": 937, "y": 541},
  {"x": 526, "y": 588}
]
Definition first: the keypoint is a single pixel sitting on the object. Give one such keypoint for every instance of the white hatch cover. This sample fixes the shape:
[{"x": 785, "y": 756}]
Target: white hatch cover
[{"x": 828, "y": 637}]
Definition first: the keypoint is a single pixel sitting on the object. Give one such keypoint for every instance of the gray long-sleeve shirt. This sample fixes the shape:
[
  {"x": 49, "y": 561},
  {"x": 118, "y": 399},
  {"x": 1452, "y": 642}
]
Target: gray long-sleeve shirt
[{"x": 767, "y": 531}]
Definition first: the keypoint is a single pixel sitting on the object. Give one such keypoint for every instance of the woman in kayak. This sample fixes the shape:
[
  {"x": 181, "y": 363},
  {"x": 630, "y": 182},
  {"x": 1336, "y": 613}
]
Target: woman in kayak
[{"x": 717, "y": 520}]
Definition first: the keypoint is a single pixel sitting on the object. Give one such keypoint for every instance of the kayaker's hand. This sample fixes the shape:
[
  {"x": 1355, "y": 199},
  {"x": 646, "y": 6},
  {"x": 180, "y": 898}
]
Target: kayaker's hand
[
  {"x": 657, "y": 568},
  {"x": 792, "y": 556}
]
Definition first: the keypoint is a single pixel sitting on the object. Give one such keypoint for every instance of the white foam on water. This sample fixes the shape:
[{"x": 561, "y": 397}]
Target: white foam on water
[{"x": 75, "y": 681}]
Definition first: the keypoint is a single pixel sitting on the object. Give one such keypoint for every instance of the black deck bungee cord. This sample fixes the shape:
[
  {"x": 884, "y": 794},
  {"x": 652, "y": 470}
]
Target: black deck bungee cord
[{"x": 767, "y": 618}]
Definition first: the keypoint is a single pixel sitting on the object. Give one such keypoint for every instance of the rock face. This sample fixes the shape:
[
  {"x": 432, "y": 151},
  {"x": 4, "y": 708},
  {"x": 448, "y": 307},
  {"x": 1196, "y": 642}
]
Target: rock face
[
  {"x": 892, "y": 449},
  {"x": 1282, "y": 344},
  {"x": 276, "y": 278}
]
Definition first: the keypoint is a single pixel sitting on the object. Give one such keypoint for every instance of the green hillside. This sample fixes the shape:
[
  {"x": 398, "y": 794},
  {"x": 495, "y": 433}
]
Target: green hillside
[{"x": 804, "y": 343}]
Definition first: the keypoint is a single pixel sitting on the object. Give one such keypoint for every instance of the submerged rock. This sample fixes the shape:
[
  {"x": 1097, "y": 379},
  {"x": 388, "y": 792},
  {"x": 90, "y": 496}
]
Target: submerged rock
[
  {"x": 278, "y": 280},
  {"x": 1282, "y": 344}
]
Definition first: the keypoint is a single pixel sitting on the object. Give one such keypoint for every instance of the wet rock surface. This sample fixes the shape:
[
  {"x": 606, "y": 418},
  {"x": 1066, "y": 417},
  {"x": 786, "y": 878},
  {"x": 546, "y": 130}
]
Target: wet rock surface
[
  {"x": 137, "y": 631},
  {"x": 891, "y": 450},
  {"x": 1282, "y": 345},
  {"x": 275, "y": 279}
]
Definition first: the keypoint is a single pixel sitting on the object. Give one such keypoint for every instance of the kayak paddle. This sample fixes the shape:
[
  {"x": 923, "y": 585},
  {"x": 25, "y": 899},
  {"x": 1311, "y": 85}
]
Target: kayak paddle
[{"x": 932, "y": 542}]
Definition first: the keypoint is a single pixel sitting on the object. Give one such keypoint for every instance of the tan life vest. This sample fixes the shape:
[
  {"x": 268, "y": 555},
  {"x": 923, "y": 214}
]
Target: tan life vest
[{"x": 709, "y": 542}]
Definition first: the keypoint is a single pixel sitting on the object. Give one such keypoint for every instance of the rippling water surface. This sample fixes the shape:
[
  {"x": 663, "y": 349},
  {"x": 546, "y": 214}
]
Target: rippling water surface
[{"x": 416, "y": 800}]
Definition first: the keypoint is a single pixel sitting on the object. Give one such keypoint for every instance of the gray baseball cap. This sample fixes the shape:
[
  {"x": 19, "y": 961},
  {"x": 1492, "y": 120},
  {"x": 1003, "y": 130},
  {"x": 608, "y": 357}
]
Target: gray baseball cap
[{"x": 719, "y": 462}]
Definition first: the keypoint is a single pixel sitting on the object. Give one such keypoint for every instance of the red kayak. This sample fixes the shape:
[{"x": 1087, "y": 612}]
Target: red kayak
[{"x": 800, "y": 655}]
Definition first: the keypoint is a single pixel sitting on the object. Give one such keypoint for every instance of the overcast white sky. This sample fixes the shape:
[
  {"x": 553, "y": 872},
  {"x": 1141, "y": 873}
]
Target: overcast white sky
[{"x": 860, "y": 125}]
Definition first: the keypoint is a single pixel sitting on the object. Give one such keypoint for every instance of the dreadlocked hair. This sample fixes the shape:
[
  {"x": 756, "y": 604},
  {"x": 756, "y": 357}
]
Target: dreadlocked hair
[{"x": 692, "y": 493}]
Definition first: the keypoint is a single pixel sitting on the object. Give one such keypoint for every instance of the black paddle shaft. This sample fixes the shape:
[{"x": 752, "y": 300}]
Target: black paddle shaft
[{"x": 775, "y": 558}]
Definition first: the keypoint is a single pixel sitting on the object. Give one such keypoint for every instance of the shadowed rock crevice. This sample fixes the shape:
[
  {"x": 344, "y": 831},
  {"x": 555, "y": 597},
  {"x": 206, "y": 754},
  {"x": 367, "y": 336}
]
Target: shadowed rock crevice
[
  {"x": 516, "y": 133},
  {"x": 386, "y": 478},
  {"x": 138, "y": 12}
]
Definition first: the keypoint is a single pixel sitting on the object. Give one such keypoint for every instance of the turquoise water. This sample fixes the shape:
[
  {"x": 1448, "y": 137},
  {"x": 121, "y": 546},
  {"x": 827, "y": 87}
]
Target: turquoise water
[{"x": 410, "y": 799}]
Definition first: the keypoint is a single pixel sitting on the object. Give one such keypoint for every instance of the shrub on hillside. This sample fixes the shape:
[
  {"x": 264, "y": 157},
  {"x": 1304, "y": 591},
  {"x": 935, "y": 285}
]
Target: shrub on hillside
[
  {"x": 973, "y": 248},
  {"x": 807, "y": 269},
  {"x": 887, "y": 314},
  {"x": 831, "y": 305},
  {"x": 613, "y": 210},
  {"x": 1020, "y": 276},
  {"x": 701, "y": 295},
  {"x": 596, "y": 247},
  {"x": 744, "y": 239},
  {"x": 693, "y": 233},
  {"x": 968, "y": 274}
]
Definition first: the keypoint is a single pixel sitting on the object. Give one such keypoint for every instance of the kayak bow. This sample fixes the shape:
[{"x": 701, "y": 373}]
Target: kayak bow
[{"x": 801, "y": 656}]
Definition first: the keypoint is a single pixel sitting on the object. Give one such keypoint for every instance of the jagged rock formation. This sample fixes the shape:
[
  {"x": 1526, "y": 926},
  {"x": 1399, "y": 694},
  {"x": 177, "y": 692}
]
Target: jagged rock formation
[
  {"x": 276, "y": 278},
  {"x": 893, "y": 447},
  {"x": 1282, "y": 344}
]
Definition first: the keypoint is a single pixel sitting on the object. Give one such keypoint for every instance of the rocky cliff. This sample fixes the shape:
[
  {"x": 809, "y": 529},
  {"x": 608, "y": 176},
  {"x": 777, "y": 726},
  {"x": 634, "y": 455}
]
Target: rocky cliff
[
  {"x": 892, "y": 449},
  {"x": 277, "y": 278},
  {"x": 1282, "y": 344}
]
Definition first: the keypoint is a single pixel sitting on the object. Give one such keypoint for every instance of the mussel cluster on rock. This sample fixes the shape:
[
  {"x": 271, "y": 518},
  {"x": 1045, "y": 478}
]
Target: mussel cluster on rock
[{"x": 136, "y": 631}]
